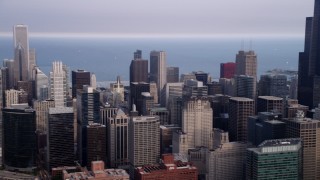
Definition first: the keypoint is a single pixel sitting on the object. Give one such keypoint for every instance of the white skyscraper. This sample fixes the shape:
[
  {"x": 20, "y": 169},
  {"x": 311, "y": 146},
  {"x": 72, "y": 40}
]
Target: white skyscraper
[
  {"x": 158, "y": 69},
  {"x": 58, "y": 84},
  {"x": 21, "y": 53},
  {"x": 41, "y": 82},
  {"x": 93, "y": 81}
]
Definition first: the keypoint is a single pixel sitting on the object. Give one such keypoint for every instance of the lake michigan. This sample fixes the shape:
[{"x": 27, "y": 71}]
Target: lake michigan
[{"x": 109, "y": 57}]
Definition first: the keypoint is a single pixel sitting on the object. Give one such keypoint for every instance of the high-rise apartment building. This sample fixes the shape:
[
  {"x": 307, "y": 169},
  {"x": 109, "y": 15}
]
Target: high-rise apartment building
[
  {"x": 21, "y": 53},
  {"x": 58, "y": 84},
  {"x": 139, "y": 68},
  {"x": 60, "y": 137},
  {"x": 158, "y": 69},
  {"x": 240, "y": 109},
  {"x": 227, "y": 70},
  {"x": 309, "y": 131},
  {"x": 96, "y": 139},
  {"x": 117, "y": 138},
  {"x": 19, "y": 138},
  {"x": 144, "y": 140},
  {"x": 309, "y": 62},
  {"x": 172, "y": 74},
  {"x": 79, "y": 78},
  {"x": 275, "y": 159}
]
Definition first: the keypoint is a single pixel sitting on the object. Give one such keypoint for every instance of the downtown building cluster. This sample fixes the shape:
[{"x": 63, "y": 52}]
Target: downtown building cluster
[{"x": 163, "y": 125}]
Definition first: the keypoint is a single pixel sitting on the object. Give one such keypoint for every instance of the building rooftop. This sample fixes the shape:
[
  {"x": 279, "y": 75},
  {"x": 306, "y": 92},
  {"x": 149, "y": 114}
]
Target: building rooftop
[
  {"x": 60, "y": 110},
  {"x": 278, "y": 146},
  {"x": 241, "y": 99},
  {"x": 158, "y": 109},
  {"x": 274, "y": 98}
]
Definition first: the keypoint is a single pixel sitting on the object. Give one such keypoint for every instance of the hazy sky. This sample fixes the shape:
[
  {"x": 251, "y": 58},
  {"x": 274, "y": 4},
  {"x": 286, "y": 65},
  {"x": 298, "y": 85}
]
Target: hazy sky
[{"x": 148, "y": 17}]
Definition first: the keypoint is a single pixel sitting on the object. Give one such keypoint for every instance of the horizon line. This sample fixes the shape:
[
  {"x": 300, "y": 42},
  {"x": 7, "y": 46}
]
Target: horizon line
[{"x": 157, "y": 35}]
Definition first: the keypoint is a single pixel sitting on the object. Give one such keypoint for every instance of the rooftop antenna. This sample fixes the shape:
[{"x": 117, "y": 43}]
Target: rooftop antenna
[
  {"x": 250, "y": 45},
  {"x": 242, "y": 44}
]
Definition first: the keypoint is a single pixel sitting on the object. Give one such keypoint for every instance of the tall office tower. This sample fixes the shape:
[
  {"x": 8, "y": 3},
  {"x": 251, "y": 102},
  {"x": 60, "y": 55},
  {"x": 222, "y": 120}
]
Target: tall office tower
[
  {"x": 144, "y": 140},
  {"x": 58, "y": 84},
  {"x": 2, "y": 90},
  {"x": 96, "y": 138},
  {"x": 117, "y": 138},
  {"x": 202, "y": 76},
  {"x": 135, "y": 94},
  {"x": 60, "y": 137},
  {"x": 214, "y": 88},
  {"x": 309, "y": 62},
  {"x": 265, "y": 126},
  {"x": 93, "y": 81},
  {"x": 9, "y": 63},
  {"x": 246, "y": 63},
  {"x": 196, "y": 125},
  {"x": 172, "y": 74},
  {"x": 166, "y": 134},
  {"x": 32, "y": 63},
  {"x": 188, "y": 76},
  {"x": 227, "y": 86},
  {"x": 28, "y": 87},
  {"x": 163, "y": 114},
  {"x": 293, "y": 92},
  {"x": 88, "y": 111},
  {"x": 309, "y": 131},
  {"x": 292, "y": 107},
  {"x": 239, "y": 110},
  {"x": 117, "y": 90},
  {"x": 147, "y": 103},
  {"x": 273, "y": 85},
  {"x": 158, "y": 69},
  {"x": 41, "y": 82},
  {"x": 275, "y": 159},
  {"x": 14, "y": 97},
  {"x": 316, "y": 114},
  {"x": 137, "y": 54},
  {"x": 138, "y": 68},
  {"x": 106, "y": 112},
  {"x": 245, "y": 86},
  {"x": 194, "y": 88},
  {"x": 227, "y": 70},
  {"x": 42, "y": 109},
  {"x": 21, "y": 53},
  {"x": 270, "y": 104},
  {"x": 154, "y": 92},
  {"x": 19, "y": 138},
  {"x": 173, "y": 89},
  {"x": 79, "y": 78},
  {"x": 225, "y": 154}
]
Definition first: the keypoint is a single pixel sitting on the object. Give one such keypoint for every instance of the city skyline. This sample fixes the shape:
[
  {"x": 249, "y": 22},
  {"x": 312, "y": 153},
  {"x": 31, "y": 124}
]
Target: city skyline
[{"x": 159, "y": 18}]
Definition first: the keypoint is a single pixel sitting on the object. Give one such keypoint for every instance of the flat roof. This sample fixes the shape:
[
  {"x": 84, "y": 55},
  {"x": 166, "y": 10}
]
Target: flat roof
[{"x": 270, "y": 98}]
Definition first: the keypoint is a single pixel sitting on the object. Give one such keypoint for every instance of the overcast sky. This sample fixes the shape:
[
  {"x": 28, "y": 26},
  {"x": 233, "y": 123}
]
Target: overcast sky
[{"x": 148, "y": 17}]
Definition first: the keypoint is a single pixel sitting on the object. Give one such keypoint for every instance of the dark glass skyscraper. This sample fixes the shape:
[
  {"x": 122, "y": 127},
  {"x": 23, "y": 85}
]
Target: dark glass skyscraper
[
  {"x": 79, "y": 78},
  {"x": 19, "y": 127},
  {"x": 309, "y": 62},
  {"x": 138, "y": 68}
]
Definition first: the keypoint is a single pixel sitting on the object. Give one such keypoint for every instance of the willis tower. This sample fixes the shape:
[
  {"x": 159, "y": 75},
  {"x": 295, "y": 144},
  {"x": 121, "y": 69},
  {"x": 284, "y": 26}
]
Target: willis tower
[{"x": 309, "y": 62}]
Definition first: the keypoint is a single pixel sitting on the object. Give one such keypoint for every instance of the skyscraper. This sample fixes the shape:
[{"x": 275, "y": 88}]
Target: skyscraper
[
  {"x": 117, "y": 138},
  {"x": 42, "y": 109},
  {"x": 275, "y": 159},
  {"x": 270, "y": 104},
  {"x": 172, "y": 74},
  {"x": 239, "y": 110},
  {"x": 138, "y": 68},
  {"x": 117, "y": 90},
  {"x": 79, "y": 78},
  {"x": 227, "y": 70},
  {"x": 60, "y": 137},
  {"x": 245, "y": 86},
  {"x": 158, "y": 69},
  {"x": 309, "y": 131},
  {"x": 41, "y": 82},
  {"x": 58, "y": 84},
  {"x": 96, "y": 138},
  {"x": 9, "y": 63},
  {"x": 246, "y": 63},
  {"x": 19, "y": 126},
  {"x": 21, "y": 53}
]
